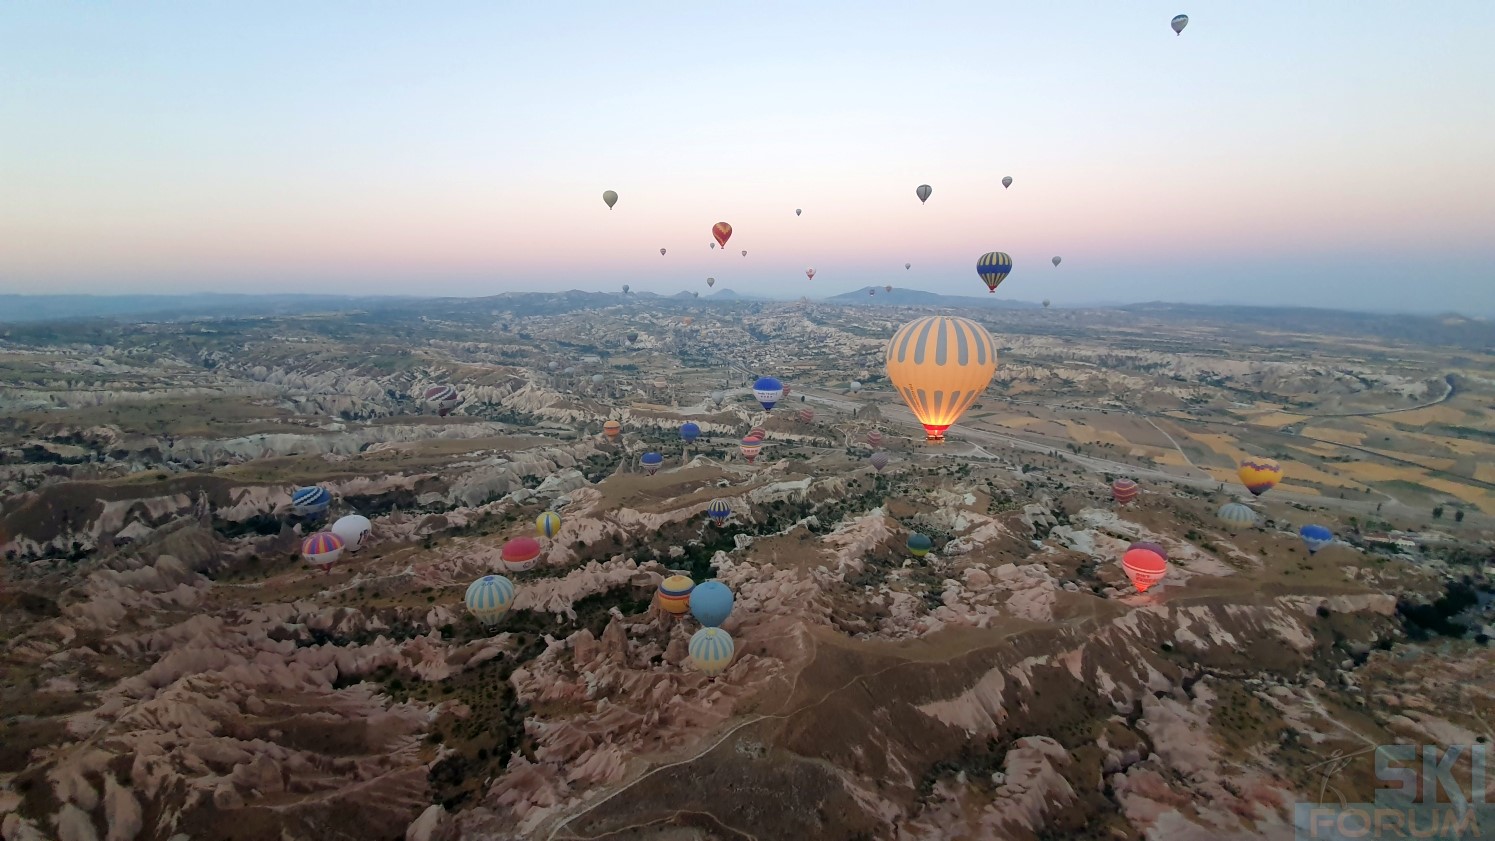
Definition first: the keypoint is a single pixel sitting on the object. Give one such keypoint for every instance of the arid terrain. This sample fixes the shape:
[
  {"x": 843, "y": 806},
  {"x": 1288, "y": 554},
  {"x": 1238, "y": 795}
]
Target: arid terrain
[{"x": 173, "y": 670}]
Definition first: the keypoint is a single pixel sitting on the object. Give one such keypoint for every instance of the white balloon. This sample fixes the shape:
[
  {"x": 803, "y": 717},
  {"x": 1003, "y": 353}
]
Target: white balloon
[{"x": 354, "y": 529}]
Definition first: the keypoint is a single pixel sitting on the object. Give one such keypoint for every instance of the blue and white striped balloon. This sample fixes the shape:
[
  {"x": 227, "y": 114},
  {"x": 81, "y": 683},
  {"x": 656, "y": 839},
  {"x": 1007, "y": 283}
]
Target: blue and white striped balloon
[
  {"x": 711, "y": 650},
  {"x": 489, "y": 597},
  {"x": 311, "y": 500},
  {"x": 1316, "y": 537}
]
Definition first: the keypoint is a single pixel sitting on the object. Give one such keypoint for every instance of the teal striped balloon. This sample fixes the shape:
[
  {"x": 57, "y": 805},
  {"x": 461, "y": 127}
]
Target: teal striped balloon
[
  {"x": 711, "y": 650},
  {"x": 489, "y": 597}
]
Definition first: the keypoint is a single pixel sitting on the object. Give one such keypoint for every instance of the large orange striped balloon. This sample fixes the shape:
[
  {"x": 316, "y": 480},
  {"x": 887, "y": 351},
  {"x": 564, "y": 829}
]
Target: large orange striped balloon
[{"x": 941, "y": 365}]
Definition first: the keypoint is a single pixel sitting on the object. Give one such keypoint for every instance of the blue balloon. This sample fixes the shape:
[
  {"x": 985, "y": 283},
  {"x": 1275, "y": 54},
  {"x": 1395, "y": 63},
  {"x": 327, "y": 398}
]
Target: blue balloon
[
  {"x": 1316, "y": 537},
  {"x": 711, "y": 603},
  {"x": 768, "y": 391},
  {"x": 689, "y": 432},
  {"x": 652, "y": 458}
]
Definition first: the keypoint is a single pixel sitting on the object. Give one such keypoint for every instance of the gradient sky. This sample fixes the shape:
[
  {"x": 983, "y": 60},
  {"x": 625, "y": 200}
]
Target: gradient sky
[{"x": 1319, "y": 153}]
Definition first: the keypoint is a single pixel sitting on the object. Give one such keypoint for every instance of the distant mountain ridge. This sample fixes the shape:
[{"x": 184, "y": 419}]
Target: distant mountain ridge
[{"x": 901, "y": 297}]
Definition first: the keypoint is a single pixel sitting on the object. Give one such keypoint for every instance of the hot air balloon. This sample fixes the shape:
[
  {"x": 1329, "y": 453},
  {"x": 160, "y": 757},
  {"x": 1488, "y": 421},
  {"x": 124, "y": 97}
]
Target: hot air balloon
[
  {"x": 548, "y": 524},
  {"x": 806, "y": 415},
  {"x": 711, "y": 650},
  {"x": 879, "y": 460},
  {"x": 354, "y": 529},
  {"x": 1316, "y": 537},
  {"x": 1179, "y": 22},
  {"x": 442, "y": 398},
  {"x": 919, "y": 545},
  {"x": 520, "y": 554},
  {"x": 923, "y": 192},
  {"x": 744, "y": 252},
  {"x": 612, "y": 429},
  {"x": 1045, "y": 303},
  {"x": 1058, "y": 260},
  {"x": 625, "y": 289},
  {"x": 786, "y": 390},
  {"x": 874, "y": 438},
  {"x": 713, "y": 246},
  {"x": 661, "y": 252},
  {"x": 310, "y": 501},
  {"x": 768, "y": 391},
  {"x": 908, "y": 265},
  {"x": 855, "y": 386},
  {"x": 1123, "y": 490},
  {"x": 810, "y": 273},
  {"x": 887, "y": 289},
  {"x": 750, "y": 447},
  {"x": 651, "y": 462},
  {"x": 711, "y": 603},
  {"x": 710, "y": 281},
  {"x": 719, "y": 511},
  {"x": 489, "y": 598},
  {"x": 758, "y": 432},
  {"x": 941, "y": 365},
  {"x": 723, "y": 232},
  {"x": 1259, "y": 475},
  {"x": 322, "y": 549},
  {"x": 632, "y": 337},
  {"x": 598, "y": 379},
  {"x": 1145, "y": 564},
  {"x": 993, "y": 268},
  {"x": 689, "y": 432},
  {"x": 718, "y": 397},
  {"x": 610, "y": 198},
  {"x": 797, "y": 211},
  {"x": 871, "y": 291},
  {"x": 1235, "y": 515},
  {"x": 674, "y": 594},
  {"x": 1006, "y": 181}
]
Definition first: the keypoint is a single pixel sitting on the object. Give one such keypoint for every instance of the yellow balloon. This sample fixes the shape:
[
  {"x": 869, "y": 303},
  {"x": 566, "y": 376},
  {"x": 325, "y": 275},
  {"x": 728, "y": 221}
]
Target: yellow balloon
[
  {"x": 1259, "y": 475},
  {"x": 941, "y": 365}
]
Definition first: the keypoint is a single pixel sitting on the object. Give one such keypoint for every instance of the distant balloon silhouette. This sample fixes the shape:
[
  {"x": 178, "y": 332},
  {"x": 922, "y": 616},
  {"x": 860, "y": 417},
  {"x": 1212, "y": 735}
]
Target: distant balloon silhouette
[
  {"x": 1178, "y": 24},
  {"x": 924, "y": 192},
  {"x": 1006, "y": 181},
  {"x": 610, "y": 198}
]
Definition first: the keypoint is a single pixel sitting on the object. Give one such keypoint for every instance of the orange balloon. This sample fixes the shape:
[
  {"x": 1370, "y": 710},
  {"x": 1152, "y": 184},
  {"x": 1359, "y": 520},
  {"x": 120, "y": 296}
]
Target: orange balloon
[
  {"x": 940, "y": 365},
  {"x": 1144, "y": 565},
  {"x": 612, "y": 428},
  {"x": 723, "y": 232}
]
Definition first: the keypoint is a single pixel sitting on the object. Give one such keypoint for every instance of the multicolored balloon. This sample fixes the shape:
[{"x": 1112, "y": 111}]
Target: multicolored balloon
[
  {"x": 768, "y": 391},
  {"x": 722, "y": 232},
  {"x": 711, "y": 650},
  {"x": 520, "y": 554},
  {"x": 443, "y": 398},
  {"x": 548, "y": 524},
  {"x": 919, "y": 545},
  {"x": 993, "y": 268},
  {"x": 1259, "y": 475},
  {"x": 879, "y": 460},
  {"x": 719, "y": 511},
  {"x": 941, "y": 365},
  {"x": 1145, "y": 564},
  {"x": 1124, "y": 490},
  {"x": 750, "y": 447},
  {"x": 711, "y": 603},
  {"x": 689, "y": 432},
  {"x": 651, "y": 462},
  {"x": 489, "y": 598},
  {"x": 322, "y": 549},
  {"x": 610, "y": 198},
  {"x": 924, "y": 192},
  {"x": 674, "y": 594},
  {"x": 758, "y": 432},
  {"x": 354, "y": 529},
  {"x": 806, "y": 415},
  {"x": 1316, "y": 537},
  {"x": 1179, "y": 22},
  {"x": 612, "y": 429},
  {"x": 874, "y": 437}
]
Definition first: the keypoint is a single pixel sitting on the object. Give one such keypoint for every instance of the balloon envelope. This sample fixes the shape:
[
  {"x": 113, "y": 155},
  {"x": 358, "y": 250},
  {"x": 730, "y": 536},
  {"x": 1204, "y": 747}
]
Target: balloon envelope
[
  {"x": 810, "y": 273},
  {"x": 1006, "y": 181},
  {"x": 354, "y": 529},
  {"x": 941, "y": 365},
  {"x": 610, "y": 198},
  {"x": 768, "y": 391},
  {"x": 722, "y": 232},
  {"x": 874, "y": 437},
  {"x": 1144, "y": 565},
  {"x": 1259, "y": 475},
  {"x": 923, "y": 192},
  {"x": 520, "y": 554},
  {"x": 855, "y": 386},
  {"x": 919, "y": 545},
  {"x": 489, "y": 598},
  {"x": 1179, "y": 22},
  {"x": 661, "y": 252},
  {"x": 1234, "y": 515},
  {"x": 651, "y": 462},
  {"x": 879, "y": 460},
  {"x": 612, "y": 429},
  {"x": 322, "y": 549},
  {"x": 548, "y": 524},
  {"x": 1058, "y": 260},
  {"x": 1316, "y": 537},
  {"x": 1124, "y": 490},
  {"x": 719, "y": 510},
  {"x": 993, "y": 268},
  {"x": 711, "y": 603},
  {"x": 711, "y": 650},
  {"x": 710, "y": 281},
  {"x": 310, "y": 500},
  {"x": 674, "y": 594},
  {"x": 797, "y": 211},
  {"x": 689, "y": 431}
]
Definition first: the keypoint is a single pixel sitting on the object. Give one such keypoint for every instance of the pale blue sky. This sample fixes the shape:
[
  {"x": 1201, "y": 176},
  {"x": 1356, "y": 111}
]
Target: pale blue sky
[{"x": 1320, "y": 153}]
